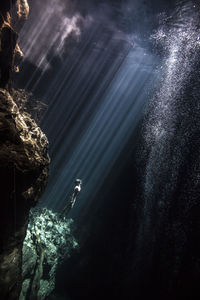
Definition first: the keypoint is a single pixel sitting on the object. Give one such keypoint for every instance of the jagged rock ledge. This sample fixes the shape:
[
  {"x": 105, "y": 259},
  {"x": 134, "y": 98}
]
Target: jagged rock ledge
[{"x": 24, "y": 165}]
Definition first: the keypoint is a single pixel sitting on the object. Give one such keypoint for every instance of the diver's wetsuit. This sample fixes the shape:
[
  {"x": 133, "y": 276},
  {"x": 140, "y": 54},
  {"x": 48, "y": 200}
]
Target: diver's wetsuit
[
  {"x": 77, "y": 190},
  {"x": 70, "y": 204}
]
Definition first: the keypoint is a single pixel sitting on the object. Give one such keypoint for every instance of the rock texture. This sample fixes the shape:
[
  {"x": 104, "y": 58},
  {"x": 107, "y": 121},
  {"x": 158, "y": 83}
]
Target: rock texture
[
  {"x": 48, "y": 242},
  {"x": 12, "y": 14},
  {"x": 27, "y": 103},
  {"x": 24, "y": 170},
  {"x": 23, "y": 158},
  {"x": 7, "y": 52}
]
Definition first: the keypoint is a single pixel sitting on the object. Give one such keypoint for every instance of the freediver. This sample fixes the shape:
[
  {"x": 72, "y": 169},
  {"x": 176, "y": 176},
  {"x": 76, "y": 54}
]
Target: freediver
[{"x": 75, "y": 193}]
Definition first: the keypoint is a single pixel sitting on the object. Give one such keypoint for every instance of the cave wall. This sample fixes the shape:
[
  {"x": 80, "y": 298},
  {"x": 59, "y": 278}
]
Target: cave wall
[{"x": 24, "y": 156}]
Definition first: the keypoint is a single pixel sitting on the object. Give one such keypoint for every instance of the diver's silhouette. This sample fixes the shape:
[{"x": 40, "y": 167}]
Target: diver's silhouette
[{"x": 73, "y": 197}]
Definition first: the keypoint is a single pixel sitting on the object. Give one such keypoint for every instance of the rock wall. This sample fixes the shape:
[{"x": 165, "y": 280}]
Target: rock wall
[
  {"x": 23, "y": 157},
  {"x": 49, "y": 241}
]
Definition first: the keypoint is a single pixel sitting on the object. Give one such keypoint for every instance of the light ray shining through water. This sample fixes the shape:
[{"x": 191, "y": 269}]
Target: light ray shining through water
[
  {"x": 105, "y": 135},
  {"x": 95, "y": 101}
]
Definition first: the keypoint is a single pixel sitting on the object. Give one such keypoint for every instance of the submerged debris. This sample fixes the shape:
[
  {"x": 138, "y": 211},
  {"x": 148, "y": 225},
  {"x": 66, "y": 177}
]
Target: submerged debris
[{"x": 48, "y": 242}]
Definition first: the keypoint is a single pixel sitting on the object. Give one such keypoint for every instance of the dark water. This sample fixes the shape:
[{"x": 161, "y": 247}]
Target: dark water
[
  {"x": 138, "y": 218},
  {"x": 167, "y": 248}
]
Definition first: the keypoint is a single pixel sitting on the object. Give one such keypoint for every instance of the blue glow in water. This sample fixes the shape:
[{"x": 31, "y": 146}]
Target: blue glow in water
[
  {"x": 105, "y": 135},
  {"x": 95, "y": 99}
]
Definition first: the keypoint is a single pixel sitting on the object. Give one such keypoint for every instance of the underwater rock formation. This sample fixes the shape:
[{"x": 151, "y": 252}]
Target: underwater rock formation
[
  {"x": 24, "y": 170},
  {"x": 27, "y": 103},
  {"x": 22, "y": 9},
  {"x": 48, "y": 241},
  {"x": 23, "y": 157},
  {"x": 8, "y": 39},
  {"x": 10, "y": 52}
]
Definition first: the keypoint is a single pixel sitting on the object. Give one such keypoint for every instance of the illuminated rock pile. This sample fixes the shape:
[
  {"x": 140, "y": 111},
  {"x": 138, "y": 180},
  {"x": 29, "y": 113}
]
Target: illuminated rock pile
[{"x": 48, "y": 241}]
